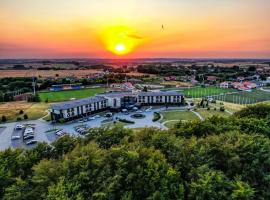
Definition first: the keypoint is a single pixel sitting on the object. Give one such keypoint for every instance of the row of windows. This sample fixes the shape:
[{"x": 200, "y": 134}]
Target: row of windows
[
  {"x": 159, "y": 99},
  {"x": 88, "y": 107}
]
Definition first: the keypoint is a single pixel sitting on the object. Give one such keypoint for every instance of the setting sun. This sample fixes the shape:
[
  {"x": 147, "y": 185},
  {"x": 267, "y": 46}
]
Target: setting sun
[
  {"x": 120, "y": 40},
  {"x": 120, "y": 48}
]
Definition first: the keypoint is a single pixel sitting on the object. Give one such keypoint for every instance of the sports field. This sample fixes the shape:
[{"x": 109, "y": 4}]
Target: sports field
[
  {"x": 197, "y": 92},
  {"x": 246, "y": 97},
  {"x": 67, "y": 95}
]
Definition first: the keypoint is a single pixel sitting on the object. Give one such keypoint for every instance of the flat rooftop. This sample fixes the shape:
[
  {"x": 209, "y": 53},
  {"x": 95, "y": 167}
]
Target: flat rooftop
[
  {"x": 162, "y": 93},
  {"x": 76, "y": 103}
]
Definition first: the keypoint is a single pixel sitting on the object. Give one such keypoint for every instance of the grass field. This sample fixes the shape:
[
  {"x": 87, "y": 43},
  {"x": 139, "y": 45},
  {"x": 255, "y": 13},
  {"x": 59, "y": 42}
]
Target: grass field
[
  {"x": 209, "y": 113},
  {"x": 67, "y": 95},
  {"x": 197, "y": 92},
  {"x": 33, "y": 110},
  {"x": 178, "y": 115}
]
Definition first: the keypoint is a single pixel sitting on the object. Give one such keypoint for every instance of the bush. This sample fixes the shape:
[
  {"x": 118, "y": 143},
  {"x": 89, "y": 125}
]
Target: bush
[
  {"x": 25, "y": 116},
  {"x": 208, "y": 108},
  {"x": 126, "y": 121},
  {"x": 21, "y": 112},
  {"x": 215, "y": 109},
  {"x": 19, "y": 119},
  {"x": 47, "y": 100},
  {"x": 4, "y": 118},
  {"x": 222, "y": 109},
  {"x": 157, "y": 117}
]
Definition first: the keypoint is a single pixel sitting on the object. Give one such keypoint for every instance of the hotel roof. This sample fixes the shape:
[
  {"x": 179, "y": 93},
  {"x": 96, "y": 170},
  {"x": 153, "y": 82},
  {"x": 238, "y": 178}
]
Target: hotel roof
[
  {"x": 76, "y": 103},
  {"x": 116, "y": 94},
  {"x": 168, "y": 93}
]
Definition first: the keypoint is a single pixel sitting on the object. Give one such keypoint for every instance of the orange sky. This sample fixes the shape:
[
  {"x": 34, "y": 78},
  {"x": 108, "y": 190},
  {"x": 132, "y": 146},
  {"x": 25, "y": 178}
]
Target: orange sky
[{"x": 93, "y": 28}]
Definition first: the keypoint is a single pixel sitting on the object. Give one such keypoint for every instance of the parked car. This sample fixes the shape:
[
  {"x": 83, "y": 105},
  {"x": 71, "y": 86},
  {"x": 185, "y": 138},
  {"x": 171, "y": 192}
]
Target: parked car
[
  {"x": 139, "y": 111},
  {"x": 15, "y": 137},
  {"x": 97, "y": 116},
  {"x": 28, "y": 137},
  {"x": 31, "y": 142},
  {"x": 91, "y": 118},
  {"x": 19, "y": 127},
  {"x": 59, "y": 133}
]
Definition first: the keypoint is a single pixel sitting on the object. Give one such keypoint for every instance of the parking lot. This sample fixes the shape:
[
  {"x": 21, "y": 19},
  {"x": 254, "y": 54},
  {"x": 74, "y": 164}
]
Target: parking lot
[{"x": 46, "y": 132}]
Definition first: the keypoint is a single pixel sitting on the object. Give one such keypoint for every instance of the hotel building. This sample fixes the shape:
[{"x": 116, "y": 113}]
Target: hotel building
[{"x": 112, "y": 101}]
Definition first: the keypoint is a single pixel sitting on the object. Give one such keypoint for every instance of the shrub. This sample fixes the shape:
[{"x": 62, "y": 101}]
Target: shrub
[
  {"x": 21, "y": 112},
  {"x": 19, "y": 119},
  {"x": 157, "y": 117},
  {"x": 126, "y": 121},
  {"x": 25, "y": 116},
  {"x": 4, "y": 118},
  {"x": 215, "y": 109},
  {"x": 222, "y": 109},
  {"x": 208, "y": 108}
]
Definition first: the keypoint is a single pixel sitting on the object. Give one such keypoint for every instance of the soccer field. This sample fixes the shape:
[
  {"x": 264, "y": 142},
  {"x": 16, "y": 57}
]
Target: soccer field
[
  {"x": 67, "y": 95},
  {"x": 247, "y": 97},
  {"x": 204, "y": 92}
]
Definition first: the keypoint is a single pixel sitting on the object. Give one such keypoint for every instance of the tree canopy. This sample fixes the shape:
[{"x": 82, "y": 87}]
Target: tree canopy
[{"x": 219, "y": 158}]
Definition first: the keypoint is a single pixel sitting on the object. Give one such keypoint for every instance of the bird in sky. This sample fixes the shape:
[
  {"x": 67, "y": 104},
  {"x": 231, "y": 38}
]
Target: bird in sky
[{"x": 162, "y": 27}]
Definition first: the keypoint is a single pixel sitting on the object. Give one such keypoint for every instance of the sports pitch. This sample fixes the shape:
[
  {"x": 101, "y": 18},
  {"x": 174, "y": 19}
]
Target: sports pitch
[{"x": 67, "y": 95}]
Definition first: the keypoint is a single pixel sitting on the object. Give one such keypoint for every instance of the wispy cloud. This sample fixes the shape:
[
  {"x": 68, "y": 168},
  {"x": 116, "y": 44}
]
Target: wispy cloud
[{"x": 133, "y": 36}]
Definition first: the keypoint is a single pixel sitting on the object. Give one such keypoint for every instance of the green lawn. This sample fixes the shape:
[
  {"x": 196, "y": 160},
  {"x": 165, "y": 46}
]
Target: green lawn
[
  {"x": 67, "y": 95},
  {"x": 248, "y": 97},
  {"x": 197, "y": 92},
  {"x": 209, "y": 113},
  {"x": 178, "y": 115}
]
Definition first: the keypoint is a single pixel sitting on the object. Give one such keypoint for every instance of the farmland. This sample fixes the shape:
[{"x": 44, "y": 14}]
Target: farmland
[
  {"x": 54, "y": 73},
  {"x": 67, "y": 95}
]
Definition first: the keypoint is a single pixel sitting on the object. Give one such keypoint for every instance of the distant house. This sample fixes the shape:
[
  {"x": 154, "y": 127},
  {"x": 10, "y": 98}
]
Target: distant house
[
  {"x": 249, "y": 85},
  {"x": 170, "y": 78},
  {"x": 244, "y": 86},
  {"x": 240, "y": 78},
  {"x": 224, "y": 85},
  {"x": 127, "y": 86},
  {"x": 212, "y": 79}
]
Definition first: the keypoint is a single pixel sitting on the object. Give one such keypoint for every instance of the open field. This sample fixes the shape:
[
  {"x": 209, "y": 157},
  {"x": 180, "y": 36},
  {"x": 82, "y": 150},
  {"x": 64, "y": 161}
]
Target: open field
[
  {"x": 203, "y": 92},
  {"x": 178, "y": 115},
  {"x": 52, "y": 73},
  {"x": 33, "y": 110},
  {"x": 67, "y": 95},
  {"x": 209, "y": 113}
]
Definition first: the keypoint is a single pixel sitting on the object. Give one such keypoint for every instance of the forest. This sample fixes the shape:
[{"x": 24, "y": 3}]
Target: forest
[{"x": 218, "y": 158}]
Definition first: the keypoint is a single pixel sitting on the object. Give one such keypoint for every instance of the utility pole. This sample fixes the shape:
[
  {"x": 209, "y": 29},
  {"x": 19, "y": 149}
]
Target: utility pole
[{"x": 34, "y": 85}]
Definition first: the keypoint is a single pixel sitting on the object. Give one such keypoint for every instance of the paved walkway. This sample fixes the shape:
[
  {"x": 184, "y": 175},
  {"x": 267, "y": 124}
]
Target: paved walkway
[
  {"x": 198, "y": 115},
  {"x": 265, "y": 90}
]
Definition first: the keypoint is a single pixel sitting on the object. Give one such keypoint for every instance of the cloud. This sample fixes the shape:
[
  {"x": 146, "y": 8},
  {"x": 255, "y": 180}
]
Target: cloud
[{"x": 133, "y": 36}]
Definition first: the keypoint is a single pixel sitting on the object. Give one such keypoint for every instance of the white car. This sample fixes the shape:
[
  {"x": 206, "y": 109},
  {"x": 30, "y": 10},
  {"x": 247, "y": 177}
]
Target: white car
[
  {"x": 97, "y": 116},
  {"x": 91, "y": 118},
  {"x": 19, "y": 126},
  {"x": 139, "y": 111},
  {"x": 15, "y": 137},
  {"x": 31, "y": 142},
  {"x": 59, "y": 133}
]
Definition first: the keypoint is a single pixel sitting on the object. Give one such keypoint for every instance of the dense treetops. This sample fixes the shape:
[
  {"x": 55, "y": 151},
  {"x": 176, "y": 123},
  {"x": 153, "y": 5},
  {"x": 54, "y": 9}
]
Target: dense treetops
[{"x": 215, "y": 159}]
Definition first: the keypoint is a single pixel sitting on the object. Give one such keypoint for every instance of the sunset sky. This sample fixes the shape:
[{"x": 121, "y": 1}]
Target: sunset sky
[{"x": 133, "y": 28}]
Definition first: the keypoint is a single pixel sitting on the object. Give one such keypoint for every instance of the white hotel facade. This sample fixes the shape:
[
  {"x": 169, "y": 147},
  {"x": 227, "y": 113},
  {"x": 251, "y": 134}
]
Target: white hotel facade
[{"x": 113, "y": 101}]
